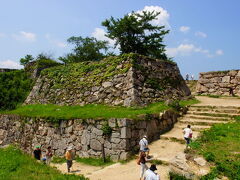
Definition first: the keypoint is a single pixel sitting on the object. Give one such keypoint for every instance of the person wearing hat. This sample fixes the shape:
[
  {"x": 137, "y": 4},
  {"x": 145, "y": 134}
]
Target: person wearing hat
[
  {"x": 143, "y": 143},
  {"x": 69, "y": 158},
  {"x": 37, "y": 153},
  {"x": 150, "y": 174}
]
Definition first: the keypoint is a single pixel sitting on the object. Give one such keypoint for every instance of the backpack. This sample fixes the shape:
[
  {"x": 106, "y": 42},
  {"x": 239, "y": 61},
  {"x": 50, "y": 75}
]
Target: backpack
[{"x": 190, "y": 135}]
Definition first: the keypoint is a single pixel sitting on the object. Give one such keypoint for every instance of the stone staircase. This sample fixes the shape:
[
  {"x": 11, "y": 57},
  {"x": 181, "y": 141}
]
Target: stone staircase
[{"x": 201, "y": 118}]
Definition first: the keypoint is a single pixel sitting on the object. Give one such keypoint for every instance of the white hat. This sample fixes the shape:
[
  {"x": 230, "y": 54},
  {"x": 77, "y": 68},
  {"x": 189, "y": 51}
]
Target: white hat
[
  {"x": 145, "y": 136},
  {"x": 69, "y": 148}
]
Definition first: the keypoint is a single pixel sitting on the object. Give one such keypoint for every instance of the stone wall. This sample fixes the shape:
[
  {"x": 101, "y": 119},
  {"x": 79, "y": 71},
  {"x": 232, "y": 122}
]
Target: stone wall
[
  {"x": 145, "y": 81},
  {"x": 86, "y": 136},
  {"x": 219, "y": 83}
]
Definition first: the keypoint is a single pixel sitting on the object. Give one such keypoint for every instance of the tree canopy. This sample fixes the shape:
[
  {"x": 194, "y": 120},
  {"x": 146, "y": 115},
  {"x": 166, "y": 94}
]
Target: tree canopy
[
  {"x": 86, "y": 49},
  {"x": 28, "y": 58},
  {"x": 135, "y": 33}
]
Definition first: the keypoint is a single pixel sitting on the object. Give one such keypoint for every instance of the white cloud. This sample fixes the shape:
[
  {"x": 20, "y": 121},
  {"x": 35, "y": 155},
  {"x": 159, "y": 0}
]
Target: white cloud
[
  {"x": 184, "y": 29},
  {"x": 162, "y": 18},
  {"x": 182, "y": 50},
  {"x": 188, "y": 49},
  {"x": 10, "y": 64},
  {"x": 219, "y": 52},
  {"x": 201, "y": 34},
  {"x": 55, "y": 42},
  {"x": 25, "y": 36},
  {"x": 99, "y": 34}
]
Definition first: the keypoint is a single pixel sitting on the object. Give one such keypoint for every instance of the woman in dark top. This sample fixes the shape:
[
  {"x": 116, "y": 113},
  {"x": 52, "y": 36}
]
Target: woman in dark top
[{"x": 143, "y": 164}]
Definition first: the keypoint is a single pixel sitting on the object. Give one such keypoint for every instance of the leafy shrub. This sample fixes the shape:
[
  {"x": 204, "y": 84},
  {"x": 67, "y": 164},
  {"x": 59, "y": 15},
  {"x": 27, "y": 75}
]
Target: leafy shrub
[
  {"x": 107, "y": 130},
  {"x": 46, "y": 63},
  {"x": 14, "y": 88}
]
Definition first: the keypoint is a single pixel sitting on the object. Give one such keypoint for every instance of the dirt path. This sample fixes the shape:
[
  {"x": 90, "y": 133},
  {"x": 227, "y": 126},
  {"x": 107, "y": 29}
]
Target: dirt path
[
  {"x": 167, "y": 147},
  {"x": 224, "y": 101}
]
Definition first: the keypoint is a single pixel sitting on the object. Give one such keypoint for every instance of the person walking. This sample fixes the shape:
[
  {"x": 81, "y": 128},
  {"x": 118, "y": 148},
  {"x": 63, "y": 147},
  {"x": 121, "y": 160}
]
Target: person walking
[
  {"x": 187, "y": 135},
  {"x": 37, "y": 153},
  {"x": 69, "y": 158},
  {"x": 192, "y": 77},
  {"x": 150, "y": 174},
  {"x": 49, "y": 155},
  {"x": 142, "y": 163},
  {"x": 143, "y": 143}
]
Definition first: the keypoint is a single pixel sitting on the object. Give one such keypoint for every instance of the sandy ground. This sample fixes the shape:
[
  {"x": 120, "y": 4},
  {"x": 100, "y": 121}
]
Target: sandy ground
[{"x": 160, "y": 149}]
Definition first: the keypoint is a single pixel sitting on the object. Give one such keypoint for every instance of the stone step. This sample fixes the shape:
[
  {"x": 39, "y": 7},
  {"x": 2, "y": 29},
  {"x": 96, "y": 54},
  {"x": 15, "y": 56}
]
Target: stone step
[
  {"x": 197, "y": 128},
  {"x": 202, "y": 122},
  {"x": 191, "y": 116},
  {"x": 213, "y": 114},
  {"x": 229, "y": 111},
  {"x": 216, "y": 107}
]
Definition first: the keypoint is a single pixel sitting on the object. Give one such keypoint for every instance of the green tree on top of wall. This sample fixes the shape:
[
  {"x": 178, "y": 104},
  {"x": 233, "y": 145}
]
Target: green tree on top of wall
[
  {"x": 86, "y": 49},
  {"x": 135, "y": 33}
]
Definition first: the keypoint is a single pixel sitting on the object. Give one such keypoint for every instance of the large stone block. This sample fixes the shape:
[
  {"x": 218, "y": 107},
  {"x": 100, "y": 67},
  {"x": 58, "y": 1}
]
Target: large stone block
[
  {"x": 107, "y": 84},
  {"x": 95, "y": 145},
  {"x": 125, "y": 132},
  {"x": 226, "y": 79}
]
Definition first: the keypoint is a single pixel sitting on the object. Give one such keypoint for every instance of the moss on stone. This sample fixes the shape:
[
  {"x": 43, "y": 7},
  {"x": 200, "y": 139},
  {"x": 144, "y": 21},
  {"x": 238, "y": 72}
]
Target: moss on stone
[{"x": 89, "y": 74}]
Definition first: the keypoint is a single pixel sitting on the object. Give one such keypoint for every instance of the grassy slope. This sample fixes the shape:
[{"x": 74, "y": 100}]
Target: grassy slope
[
  {"x": 89, "y": 111},
  {"x": 16, "y": 165},
  {"x": 221, "y": 145}
]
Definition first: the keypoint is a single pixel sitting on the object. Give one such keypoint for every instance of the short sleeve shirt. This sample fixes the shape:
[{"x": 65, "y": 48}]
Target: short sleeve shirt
[
  {"x": 143, "y": 143},
  {"x": 187, "y": 131}
]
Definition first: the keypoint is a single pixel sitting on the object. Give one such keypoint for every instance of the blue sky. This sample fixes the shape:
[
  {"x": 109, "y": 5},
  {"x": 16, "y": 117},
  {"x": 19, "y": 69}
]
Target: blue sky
[{"x": 204, "y": 35}]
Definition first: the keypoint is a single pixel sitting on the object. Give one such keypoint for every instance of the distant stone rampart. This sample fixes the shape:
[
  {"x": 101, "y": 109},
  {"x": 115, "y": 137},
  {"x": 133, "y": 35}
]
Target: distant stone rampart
[
  {"x": 129, "y": 81},
  {"x": 226, "y": 83}
]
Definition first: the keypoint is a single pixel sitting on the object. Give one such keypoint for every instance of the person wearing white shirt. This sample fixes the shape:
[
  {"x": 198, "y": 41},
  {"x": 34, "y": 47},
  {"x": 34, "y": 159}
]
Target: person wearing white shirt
[
  {"x": 150, "y": 174},
  {"x": 143, "y": 143},
  {"x": 187, "y": 134}
]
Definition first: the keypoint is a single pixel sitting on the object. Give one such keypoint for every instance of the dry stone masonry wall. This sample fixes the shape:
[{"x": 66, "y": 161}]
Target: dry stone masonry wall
[
  {"x": 219, "y": 83},
  {"x": 132, "y": 80},
  {"x": 86, "y": 136}
]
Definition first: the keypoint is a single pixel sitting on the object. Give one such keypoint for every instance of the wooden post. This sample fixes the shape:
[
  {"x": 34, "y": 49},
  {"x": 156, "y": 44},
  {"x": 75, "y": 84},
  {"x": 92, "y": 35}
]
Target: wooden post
[{"x": 103, "y": 153}]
